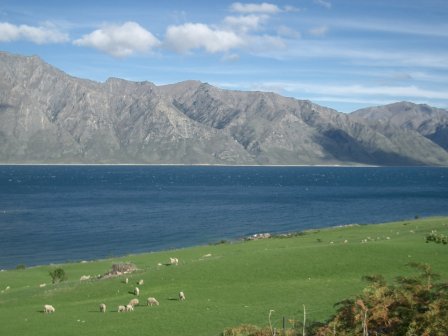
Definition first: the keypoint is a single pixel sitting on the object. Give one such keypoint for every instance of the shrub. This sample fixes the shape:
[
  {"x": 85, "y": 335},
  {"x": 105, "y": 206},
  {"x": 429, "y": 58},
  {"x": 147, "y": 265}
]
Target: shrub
[
  {"x": 58, "y": 275},
  {"x": 20, "y": 267}
]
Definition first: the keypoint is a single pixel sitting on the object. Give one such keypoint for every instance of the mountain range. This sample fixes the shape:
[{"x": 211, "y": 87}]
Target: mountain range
[{"x": 47, "y": 116}]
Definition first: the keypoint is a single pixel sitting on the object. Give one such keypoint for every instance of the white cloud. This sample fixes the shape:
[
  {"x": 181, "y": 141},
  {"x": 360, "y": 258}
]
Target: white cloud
[
  {"x": 245, "y": 23},
  {"x": 39, "y": 35},
  {"x": 288, "y": 32},
  {"x": 394, "y": 27},
  {"x": 323, "y": 3},
  {"x": 120, "y": 41},
  {"x": 319, "y": 31},
  {"x": 411, "y": 91},
  {"x": 264, "y": 7},
  {"x": 231, "y": 58},
  {"x": 189, "y": 36},
  {"x": 291, "y": 9},
  {"x": 260, "y": 44}
]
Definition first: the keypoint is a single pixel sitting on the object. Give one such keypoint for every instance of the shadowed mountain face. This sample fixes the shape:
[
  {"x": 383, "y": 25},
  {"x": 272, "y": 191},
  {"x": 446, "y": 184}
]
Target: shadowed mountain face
[
  {"x": 47, "y": 116},
  {"x": 429, "y": 121}
]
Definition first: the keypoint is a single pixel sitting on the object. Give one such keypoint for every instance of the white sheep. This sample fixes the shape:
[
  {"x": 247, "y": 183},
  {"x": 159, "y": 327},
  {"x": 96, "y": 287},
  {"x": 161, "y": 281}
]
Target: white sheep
[
  {"x": 121, "y": 309},
  {"x": 126, "y": 281},
  {"x": 102, "y": 308},
  {"x": 84, "y": 277},
  {"x": 133, "y": 302},
  {"x": 181, "y": 296},
  {"x": 140, "y": 282},
  {"x": 129, "y": 308},
  {"x": 42, "y": 285},
  {"x": 152, "y": 301},
  {"x": 136, "y": 291},
  {"x": 49, "y": 309},
  {"x": 174, "y": 261}
]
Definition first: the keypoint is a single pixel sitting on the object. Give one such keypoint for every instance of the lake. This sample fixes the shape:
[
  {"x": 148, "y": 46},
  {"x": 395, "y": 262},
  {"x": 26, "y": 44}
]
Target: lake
[{"x": 52, "y": 214}]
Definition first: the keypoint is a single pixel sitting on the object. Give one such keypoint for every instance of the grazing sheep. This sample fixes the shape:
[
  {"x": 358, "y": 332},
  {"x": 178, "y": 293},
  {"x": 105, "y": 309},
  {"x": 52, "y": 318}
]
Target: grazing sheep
[
  {"x": 129, "y": 308},
  {"x": 42, "y": 285},
  {"x": 84, "y": 277},
  {"x": 140, "y": 282},
  {"x": 159, "y": 264},
  {"x": 133, "y": 302},
  {"x": 49, "y": 309},
  {"x": 181, "y": 296},
  {"x": 102, "y": 308},
  {"x": 152, "y": 301},
  {"x": 174, "y": 261},
  {"x": 121, "y": 309},
  {"x": 345, "y": 241},
  {"x": 136, "y": 291}
]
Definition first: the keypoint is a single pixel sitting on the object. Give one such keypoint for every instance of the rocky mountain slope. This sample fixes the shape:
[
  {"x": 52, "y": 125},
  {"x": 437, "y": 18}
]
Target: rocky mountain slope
[
  {"x": 429, "y": 121},
  {"x": 47, "y": 116}
]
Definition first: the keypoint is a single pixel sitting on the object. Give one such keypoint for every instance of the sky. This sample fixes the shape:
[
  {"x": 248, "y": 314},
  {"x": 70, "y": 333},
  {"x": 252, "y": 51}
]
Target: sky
[{"x": 343, "y": 54}]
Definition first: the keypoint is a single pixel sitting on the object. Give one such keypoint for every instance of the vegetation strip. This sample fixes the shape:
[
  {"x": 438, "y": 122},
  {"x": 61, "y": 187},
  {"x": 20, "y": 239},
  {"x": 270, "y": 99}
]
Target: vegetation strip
[{"x": 224, "y": 285}]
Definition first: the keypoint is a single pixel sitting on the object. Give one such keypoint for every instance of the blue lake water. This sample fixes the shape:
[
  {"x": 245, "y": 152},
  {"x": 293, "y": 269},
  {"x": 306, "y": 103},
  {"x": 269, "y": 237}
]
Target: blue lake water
[{"x": 51, "y": 214}]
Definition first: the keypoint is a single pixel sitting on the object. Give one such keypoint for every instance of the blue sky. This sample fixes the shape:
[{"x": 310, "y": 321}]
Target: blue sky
[{"x": 338, "y": 53}]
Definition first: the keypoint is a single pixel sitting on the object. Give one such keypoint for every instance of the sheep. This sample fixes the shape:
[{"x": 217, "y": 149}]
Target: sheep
[
  {"x": 174, "y": 261},
  {"x": 126, "y": 281},
  {"x": 181, "y": 296},
  {"x": 49, "y": 309},
  {"x": 133, "y": 302},
  {"x": 152, "y": 301},
  {"x": 140, "y": 282},
  {"x": 136, "y": 291},
  {"x": 129, "y": 308},
  {"x": 121, "y": 309},
  {"x": 42, "y": 285},
  {"x": 84, "y": 277},
  {"x": 102, "y": 308},
  {"x": 345, "y": 241}
]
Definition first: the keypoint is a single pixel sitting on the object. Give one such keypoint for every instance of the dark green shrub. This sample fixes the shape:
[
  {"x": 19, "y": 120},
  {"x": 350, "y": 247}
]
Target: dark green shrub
[{"x": 58, "y": 275}]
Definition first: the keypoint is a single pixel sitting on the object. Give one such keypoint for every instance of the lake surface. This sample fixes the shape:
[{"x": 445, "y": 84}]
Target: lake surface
[{"x": 52, "y": 214}]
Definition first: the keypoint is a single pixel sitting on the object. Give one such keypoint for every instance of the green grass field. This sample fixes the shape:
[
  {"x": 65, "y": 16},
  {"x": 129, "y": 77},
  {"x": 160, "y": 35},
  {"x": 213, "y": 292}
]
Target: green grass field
[{"x": 239, "y": 283}]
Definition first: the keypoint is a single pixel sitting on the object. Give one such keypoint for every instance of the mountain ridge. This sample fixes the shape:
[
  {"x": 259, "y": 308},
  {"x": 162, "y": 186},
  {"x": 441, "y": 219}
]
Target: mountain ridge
[{"x": 47, "y": 116}]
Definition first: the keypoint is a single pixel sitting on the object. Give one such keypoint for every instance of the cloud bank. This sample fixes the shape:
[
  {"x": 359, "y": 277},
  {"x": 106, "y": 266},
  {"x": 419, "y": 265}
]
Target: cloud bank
[
  {"x": 39, "y": 35},
  {"x": 264, "y": 7},
  {"x": 190, "y": 36},
  {"x": 120, "y": 41}
]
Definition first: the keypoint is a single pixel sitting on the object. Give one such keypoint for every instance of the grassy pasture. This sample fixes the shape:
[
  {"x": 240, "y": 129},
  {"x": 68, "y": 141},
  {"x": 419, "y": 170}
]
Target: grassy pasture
[{"x": 239, "y": 283}]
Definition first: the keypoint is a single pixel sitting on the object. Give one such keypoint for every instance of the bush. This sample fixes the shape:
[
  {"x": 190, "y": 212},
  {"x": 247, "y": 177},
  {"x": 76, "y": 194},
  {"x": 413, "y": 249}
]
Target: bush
[
  {"x": 58, "y": 275},
  {"x": 20, "y": 267}
]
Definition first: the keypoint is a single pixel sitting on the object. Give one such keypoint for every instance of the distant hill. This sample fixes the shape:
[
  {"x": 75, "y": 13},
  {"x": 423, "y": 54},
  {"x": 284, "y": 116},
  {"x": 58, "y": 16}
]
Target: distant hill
[
  {"x": 429, "y": 121},
  {"x": 47, "y": 116}
]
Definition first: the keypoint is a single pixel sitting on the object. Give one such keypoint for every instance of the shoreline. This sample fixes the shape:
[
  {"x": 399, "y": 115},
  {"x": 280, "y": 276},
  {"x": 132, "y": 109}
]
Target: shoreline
[
  {"x": 200, "y": 165},
  {"x": 237, "y": 240}
]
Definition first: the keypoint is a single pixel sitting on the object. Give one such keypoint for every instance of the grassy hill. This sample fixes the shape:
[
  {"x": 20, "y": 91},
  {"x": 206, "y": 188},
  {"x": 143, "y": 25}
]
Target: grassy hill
[{"x": 236, "y": 283}]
